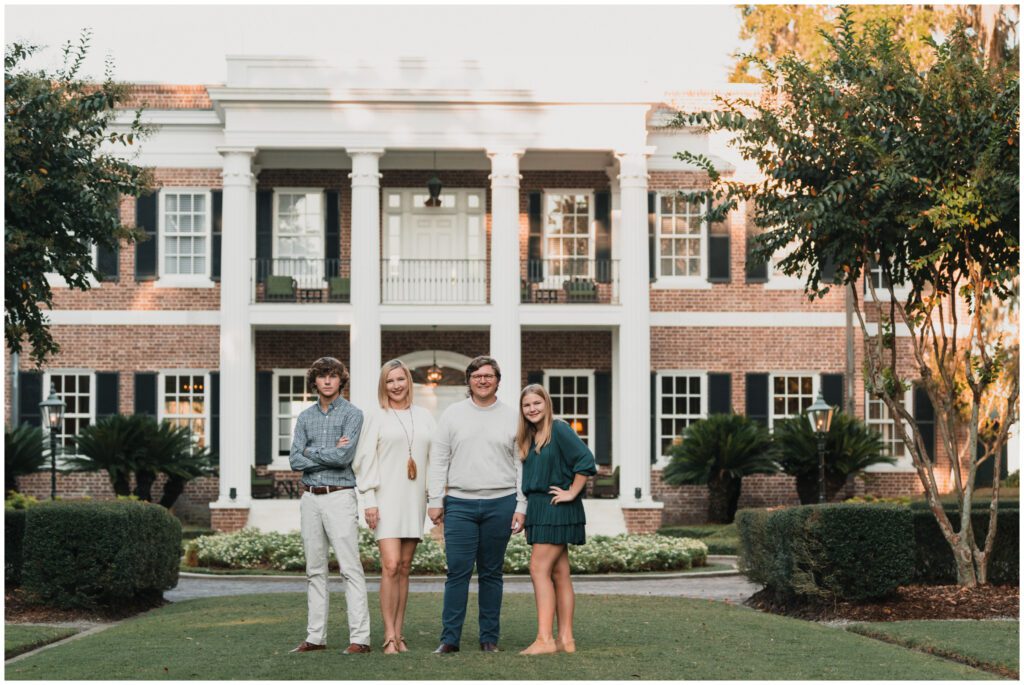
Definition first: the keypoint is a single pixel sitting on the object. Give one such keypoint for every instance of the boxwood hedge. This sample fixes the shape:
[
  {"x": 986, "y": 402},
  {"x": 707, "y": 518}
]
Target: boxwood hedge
[
  {"x": 14, "y": 534},
  {"x": 934, "y": 563},
  {"x": 89, "y": 554}
]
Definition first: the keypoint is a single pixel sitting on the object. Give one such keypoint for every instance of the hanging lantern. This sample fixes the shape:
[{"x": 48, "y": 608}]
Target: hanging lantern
[
  {"x": 434, "y": 373},
  {"x": 434, "y": 188}
]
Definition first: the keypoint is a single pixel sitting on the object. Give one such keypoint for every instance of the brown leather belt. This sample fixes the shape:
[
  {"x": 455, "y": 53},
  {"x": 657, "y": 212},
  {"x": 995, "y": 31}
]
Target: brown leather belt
[{"x": 325, "y": 489}]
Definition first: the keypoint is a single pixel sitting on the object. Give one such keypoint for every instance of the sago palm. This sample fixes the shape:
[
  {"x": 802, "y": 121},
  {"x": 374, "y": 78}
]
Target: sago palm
[
  {"x": 23, "y": 454},
  {"x": 116, "y": 445},
  {"x": 718, "y": 452}
]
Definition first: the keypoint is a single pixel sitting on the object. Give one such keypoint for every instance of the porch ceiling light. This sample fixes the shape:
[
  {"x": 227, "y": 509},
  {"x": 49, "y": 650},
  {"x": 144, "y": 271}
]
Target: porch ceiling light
[
  {"x": 434, "y": 373},
  {"x": 434, "y": 187}
]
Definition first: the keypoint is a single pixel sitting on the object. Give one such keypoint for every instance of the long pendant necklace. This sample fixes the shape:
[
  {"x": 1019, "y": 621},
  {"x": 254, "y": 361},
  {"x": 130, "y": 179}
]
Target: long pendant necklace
[{"x": 410, "y": 466}]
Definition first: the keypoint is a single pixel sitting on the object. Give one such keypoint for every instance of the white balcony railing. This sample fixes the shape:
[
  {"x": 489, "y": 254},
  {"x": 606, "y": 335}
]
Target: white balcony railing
[{"x": 433, "y": 281}]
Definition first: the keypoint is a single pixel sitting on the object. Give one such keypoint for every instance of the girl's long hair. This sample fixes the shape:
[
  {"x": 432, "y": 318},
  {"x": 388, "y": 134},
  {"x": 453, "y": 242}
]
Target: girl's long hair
[
  {"x": 538, "y": 433},
  {"x": 382, "y": 384}
]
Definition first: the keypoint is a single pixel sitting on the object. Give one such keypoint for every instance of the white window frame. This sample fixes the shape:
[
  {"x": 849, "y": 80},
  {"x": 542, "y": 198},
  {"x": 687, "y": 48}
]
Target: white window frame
[
  {"x": 815, "y": 388},
  {"x": 691, "y": 282},
  {"x": 55, "y": 280},
  {"x": 900, "y": 291},
  {"x": 553, "y": 280},
  {"x": 904, "y": 464},
  {"x": 778, "y": 280},
  {"x": 662, "y": 460},
  {"x": 314, "y": 279},
  {"x": 277, "y": 462},
  {"x": 161, "y": 396},
  {"x": 47, "y": 379},
  {"x": 392, "y": 220},
  {"x": 167, "y": 280},
  {"x": 578, "y": 373}
]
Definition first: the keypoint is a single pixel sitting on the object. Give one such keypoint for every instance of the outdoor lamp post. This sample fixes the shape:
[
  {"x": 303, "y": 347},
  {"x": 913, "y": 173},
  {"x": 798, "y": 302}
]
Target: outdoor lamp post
[
  {"x": 52, "y": 409},
  {"x": 820, "y": 416}
]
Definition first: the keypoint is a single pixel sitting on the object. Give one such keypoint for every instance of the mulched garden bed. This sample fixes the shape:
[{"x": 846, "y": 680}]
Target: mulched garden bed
[
  {"x": 17, "y": 609},
  {"x": 911, "y": 602}
]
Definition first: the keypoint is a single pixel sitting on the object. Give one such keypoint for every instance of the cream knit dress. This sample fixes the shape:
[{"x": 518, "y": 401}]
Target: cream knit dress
[{"x": 381, "y": 473}]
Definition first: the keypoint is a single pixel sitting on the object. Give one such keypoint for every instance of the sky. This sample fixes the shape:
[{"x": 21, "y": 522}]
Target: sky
[{"x": 668, "y": 47}]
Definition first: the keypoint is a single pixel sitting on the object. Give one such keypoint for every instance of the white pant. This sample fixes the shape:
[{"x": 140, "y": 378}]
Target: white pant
[{"x": 332, "y": 519}]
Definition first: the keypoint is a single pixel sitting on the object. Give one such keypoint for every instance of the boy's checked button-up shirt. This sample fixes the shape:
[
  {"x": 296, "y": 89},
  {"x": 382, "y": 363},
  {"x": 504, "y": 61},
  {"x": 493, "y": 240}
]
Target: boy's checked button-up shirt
[{"x": 313, "y": 444}]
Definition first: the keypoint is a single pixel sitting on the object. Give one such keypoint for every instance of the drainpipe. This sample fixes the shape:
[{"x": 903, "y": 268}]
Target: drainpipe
[
  {"x": 14, "y": 390},
  {"x": 849, "y": 351}
]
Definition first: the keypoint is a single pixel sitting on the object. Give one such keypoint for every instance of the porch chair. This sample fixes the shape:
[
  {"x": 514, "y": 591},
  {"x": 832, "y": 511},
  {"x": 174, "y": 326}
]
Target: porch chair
[
  {"x": 262, "y": 486},
  {"x": 279, "y": 289},
  {"x": 607, "y": 486},
  {"x": 339, "y": 289},
  {"x": 580, "y": 290}
]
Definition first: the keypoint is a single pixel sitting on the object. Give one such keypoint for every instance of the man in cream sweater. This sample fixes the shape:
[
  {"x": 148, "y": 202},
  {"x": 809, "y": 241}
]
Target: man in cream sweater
[{"x": 472, "y": 454}]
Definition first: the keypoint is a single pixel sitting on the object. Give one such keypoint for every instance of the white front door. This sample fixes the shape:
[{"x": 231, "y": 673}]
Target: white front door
[{"x": 432, "y": 238}]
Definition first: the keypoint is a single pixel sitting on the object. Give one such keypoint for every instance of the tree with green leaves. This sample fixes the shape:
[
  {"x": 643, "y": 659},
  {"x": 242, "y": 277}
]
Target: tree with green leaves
[
  {"x": 718, "y": 452},
  {"x": 868, "y": 164},
  {"x": 63, "y": 185}
]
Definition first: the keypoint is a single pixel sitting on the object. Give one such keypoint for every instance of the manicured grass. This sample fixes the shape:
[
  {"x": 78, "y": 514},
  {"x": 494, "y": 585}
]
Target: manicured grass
[
  {"x": 720, "y": 538},
  {"x": 299, "y": 574},
  {"x": 620, "y": 638},
  {"x": 19, "y": 639},
  {"x": 995, "y": 644}
]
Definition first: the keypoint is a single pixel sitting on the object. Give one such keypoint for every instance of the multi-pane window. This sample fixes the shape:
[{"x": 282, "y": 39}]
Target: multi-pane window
[
  {"x": 299, "y": 236},
  {"x": 680, "y": 401},
  {"x": 185, "y": 403},
  {"x": 567, "y": 239},
  {"x": 292, "y": 397},
  {"x": 186, "y": 228},
  {"x": 792, "y": 394},
  {"x": 572, "y": 400},
  {"x": 879, "y": 419},
  {"x": 680, "y": 230},
  {"x": 76, "y": 389}
]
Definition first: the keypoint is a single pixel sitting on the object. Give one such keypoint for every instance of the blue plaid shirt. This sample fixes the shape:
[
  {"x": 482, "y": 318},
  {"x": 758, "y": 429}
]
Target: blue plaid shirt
[{"x": 313, "y": 445}]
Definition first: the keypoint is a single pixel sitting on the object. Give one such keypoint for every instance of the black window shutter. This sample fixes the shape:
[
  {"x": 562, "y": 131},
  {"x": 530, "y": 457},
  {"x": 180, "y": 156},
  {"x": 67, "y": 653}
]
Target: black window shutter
[
  {"x": 757, "y": 270},
  {"x": 757, "y": 397},
  {"x": 533, "y": 377},
  {"x": 718, "y": 252},
  {"x": 985, "y": 474},
  {"x": 145, "y": 393},
  {"x": 719, "y": 393},
  {"x": 107, "y": 266},
  {"x": 264, "y": 417},
  {"x": 147, "y": 250},
  {"x": 216, "y": 231},
  {"x": 603, "y": 417},
  {"x": 332, "y": 233},
  {"x": 828, "y": 270},
  {"x": 924, "y": 416},
  {"x": 264, "y": 233},
  {"x": 108, "y": 396},
  {"x": 535, "y": 241},
  {"x": 652, "y": 203},
  {"x": 603, "y": 228},
  {"x": 214, "y": 412},
  {"x": 832, "y": 389},
  {"x": 30, "y": 394},
  {"x": 655, "y": 450}
]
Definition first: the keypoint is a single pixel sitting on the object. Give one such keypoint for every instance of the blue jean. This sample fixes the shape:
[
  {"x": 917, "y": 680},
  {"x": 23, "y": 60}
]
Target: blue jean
[{"x": 475, "y": 531}]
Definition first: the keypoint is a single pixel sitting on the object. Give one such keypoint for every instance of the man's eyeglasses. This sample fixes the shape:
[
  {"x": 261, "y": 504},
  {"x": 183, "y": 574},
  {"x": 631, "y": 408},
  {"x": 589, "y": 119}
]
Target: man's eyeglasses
[{"x": 481, "y": 377}]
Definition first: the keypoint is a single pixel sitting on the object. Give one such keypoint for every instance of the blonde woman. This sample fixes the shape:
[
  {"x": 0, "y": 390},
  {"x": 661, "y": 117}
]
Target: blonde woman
[
  {"x": 556, "y": 465},
  {"x": 391, "y": 470}
]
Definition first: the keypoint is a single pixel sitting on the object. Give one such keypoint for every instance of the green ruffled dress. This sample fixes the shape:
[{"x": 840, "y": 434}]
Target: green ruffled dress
[{"x": 557, "y": 463}]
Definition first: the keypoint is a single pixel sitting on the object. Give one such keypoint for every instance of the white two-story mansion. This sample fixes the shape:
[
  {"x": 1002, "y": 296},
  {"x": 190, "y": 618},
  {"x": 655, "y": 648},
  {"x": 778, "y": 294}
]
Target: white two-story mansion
[{"x": 433, "y": 213}]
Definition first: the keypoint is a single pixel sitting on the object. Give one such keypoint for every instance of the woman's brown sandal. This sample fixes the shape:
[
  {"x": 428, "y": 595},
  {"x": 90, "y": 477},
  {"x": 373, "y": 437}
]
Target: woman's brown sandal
[
  {"x": 390, "y": 641},
  {"x": 402, "y": 647}
]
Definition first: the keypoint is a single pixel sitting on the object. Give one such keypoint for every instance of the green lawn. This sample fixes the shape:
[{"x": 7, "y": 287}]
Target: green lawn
[
  {"x": 620, "y": 638},
  {"x": 19, "y": 639},
  {"x": 990, "y": 643}
]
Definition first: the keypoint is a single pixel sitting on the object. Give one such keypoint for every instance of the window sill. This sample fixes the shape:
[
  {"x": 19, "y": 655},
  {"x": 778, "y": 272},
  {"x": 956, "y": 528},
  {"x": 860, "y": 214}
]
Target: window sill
[
  {"x": 57, "y": 281},
  {"x": 680, "y": 283},
  {"x": 883, "y": 296},
  {"x": 904, "y": 465},
  {"x": 279, "y": 464},
  {"x": 175, "y": 282},
  {"x": 784, "y": 284}
]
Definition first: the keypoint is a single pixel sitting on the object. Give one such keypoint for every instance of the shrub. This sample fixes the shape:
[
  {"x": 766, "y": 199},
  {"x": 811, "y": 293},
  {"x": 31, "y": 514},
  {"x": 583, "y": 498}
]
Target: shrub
[
  {"x": 14, "y": 535},
  {"x": 718, "y": 452},
  {"x": 23, "y": 453},
  {"x": 934, "y": 558},
  {"x": 91, "y": 554},
  {"x": 827, "y": 552},
  {"x": 1012, "y": 480},
  {"x": 873, "y": 499}
]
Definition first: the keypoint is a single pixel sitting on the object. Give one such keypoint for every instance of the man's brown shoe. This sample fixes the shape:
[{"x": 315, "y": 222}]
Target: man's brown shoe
[
  {"x": 308, "y": 647},
  {"x": 356, "y": 648},
  {"x": 445, "y": 648},
  {"x": 489, "y": 647}
]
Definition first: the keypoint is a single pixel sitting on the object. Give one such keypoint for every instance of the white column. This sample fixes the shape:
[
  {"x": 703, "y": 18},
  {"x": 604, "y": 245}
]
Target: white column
[
  {"x": 506, "y": 334},
  {"x": 237, "y": 413},
  {"x": 634, "y": 340},
  {"x": 364, "y": 335}
]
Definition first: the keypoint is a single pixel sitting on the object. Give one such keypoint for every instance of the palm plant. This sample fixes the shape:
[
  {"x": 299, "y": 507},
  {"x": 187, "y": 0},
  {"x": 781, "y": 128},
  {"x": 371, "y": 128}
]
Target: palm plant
[
  {"x": 718, "y": 452},
  {"x": 850, "y": 447},
  {"x": 23, "y": 454},
  {"x": 115, "y": 444},
  {"x": 171, "y": 451}
]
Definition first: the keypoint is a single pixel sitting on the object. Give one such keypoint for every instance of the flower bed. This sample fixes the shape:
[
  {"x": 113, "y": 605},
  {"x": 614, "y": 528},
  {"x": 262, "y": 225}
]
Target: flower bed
[{"x": 252, "y": 549}]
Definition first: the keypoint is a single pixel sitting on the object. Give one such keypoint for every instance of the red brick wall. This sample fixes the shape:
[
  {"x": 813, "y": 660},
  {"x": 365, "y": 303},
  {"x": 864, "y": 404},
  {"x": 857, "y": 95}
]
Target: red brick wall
[
  {"x": 228, "y": 520},
  {"x": 164, "y": 96},
  {"x": 299, "y": 349},
  {"x": 642, "y": 520}
]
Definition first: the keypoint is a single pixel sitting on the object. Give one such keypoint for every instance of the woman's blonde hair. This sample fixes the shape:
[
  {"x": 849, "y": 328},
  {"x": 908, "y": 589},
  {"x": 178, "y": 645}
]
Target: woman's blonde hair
[
  {"x": 382, "y": 384},
  {"x": 529, "y": 433}
]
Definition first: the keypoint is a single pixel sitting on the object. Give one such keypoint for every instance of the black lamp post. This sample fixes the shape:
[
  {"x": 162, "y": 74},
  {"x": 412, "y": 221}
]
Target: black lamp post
[
  {"x": 820, "y": 416},
  {"x": 52, "y": 409}
]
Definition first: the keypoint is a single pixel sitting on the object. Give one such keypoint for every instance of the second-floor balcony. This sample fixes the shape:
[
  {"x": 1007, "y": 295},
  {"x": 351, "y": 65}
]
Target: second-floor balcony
[
  {"x": 433, "y": 281},
  {"x": 570, "y": 280},
  {"x": 294, "y": 279}
]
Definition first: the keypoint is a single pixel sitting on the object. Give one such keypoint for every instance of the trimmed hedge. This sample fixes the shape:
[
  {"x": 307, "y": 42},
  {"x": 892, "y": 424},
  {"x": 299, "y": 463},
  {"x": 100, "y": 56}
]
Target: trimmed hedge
[
  {"x": 14, "y": 535},
  {"x": 90, "y": 554},
  {"x": 934, "y": 558},
  {"x": 831, "y": 551}
]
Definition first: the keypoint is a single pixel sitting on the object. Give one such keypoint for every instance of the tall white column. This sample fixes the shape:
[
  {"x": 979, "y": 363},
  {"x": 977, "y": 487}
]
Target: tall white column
[
  {"x": 506, "y": 334},
  {"x": 237, "y": 413},
  {"x": 634, "y": 348},
  {"x": 364, "y": 336}
]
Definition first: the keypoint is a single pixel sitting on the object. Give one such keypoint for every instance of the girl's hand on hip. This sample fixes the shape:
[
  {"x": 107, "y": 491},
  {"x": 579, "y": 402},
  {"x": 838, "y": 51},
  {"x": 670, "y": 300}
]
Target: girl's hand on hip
[{"x": 560, "y": 496}]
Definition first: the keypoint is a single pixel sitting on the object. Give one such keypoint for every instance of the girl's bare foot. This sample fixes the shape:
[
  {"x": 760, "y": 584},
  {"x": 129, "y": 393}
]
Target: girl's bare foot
[
  {"x": 568, "y": 646},
  {"x": 402, "y": 647},
  {"x": 541, "y": 646},
  {"x": 389, "y": 646}
]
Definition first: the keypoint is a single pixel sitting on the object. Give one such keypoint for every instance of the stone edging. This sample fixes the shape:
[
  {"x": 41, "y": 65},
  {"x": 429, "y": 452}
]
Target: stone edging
[{"x": 91, "y": 631}]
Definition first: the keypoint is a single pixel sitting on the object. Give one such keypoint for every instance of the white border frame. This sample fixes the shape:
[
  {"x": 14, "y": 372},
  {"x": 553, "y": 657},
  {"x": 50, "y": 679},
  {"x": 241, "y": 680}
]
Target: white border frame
[
  {"x": 815, "y": 388},
  {"x": 660, "y": 460},
  {"x": 663, "y": 282},
  {"x": 591, "y": 397},
  {"x": 278, "y": 463},
  {"x": 92, "y": 401},
  {"x": 164, "y": 279},
  {"x": 161, "y": 398}
]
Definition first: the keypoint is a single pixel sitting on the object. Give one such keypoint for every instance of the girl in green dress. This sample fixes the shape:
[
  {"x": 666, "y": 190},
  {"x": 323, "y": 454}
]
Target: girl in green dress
[{"x": 556, "y": 465}]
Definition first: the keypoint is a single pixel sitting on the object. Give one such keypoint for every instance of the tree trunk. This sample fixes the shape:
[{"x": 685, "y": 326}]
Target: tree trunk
[
  {"x": 723, "y": 496},
  {"x": 173, "y": 488},
  {"x": 10, "y": 481},
  {"x": 122, "y": 486},
  {"x": 144, "y": 485}
]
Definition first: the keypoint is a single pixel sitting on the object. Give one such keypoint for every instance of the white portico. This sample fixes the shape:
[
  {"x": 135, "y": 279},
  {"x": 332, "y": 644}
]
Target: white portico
[{"x": 458, "y": 265}]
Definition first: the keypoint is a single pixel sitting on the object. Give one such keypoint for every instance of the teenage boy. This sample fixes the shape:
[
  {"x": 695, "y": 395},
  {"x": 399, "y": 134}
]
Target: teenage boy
[{"x": 323, "y": 447}]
